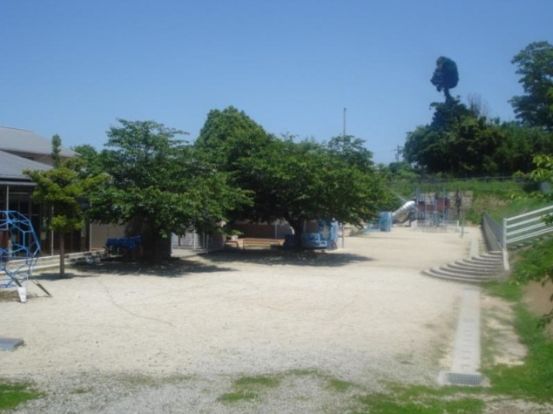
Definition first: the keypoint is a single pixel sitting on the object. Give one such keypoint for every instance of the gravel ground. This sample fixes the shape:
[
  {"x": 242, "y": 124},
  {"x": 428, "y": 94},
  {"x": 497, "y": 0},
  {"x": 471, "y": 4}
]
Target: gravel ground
[{"x": 116, "y": 338}]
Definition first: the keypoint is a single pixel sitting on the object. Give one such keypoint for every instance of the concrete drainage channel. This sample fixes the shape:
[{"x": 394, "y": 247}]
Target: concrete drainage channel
[
  {"x": 466, "y": 350},
  {"x": 465, "y": 367}
]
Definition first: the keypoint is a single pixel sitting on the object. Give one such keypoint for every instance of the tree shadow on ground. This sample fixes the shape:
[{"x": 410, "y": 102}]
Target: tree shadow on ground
[
  {"x": 286, "y": 257},
  {"x": 174, "y": 267},
  {"x": 55, "y": 276}
]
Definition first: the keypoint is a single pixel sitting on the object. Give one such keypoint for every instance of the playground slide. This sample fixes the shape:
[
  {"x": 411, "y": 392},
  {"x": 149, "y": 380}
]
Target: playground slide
[{"x": 401, "y": 215}]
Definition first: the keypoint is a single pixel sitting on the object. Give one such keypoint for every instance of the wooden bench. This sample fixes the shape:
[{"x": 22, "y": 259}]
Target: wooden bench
[{"x": 254, "y": 243}]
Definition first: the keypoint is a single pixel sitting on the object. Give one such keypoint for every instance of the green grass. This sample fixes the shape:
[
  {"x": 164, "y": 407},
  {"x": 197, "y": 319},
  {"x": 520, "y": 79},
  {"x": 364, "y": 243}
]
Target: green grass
[
  {"x": 249, "y": 388},
  {"x": 384, "y": 404},
  {"x": 507, "y": 207},
  {"x": 421, "y": 400},
  {"x": 13, "y": 394},
  {"x": 339, "y": 385},
  {"x": 237, "y": 396},
  {"x": 533, "y": 379},
  {"x": 501, "y": 198},
  {"x": 505, "y": 189},
  {"x": 535, "y": 263},
  {"x": 257, "y": 381},
  {"x": 509, "y": 290}
]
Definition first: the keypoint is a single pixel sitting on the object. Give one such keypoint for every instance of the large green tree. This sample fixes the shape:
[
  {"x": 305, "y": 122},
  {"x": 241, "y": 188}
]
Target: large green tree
[
  {"x": 305, "y": 180},
  {"x": 462, "y": 141},
  {"x": 65, "y": 191},
  {"x": 159, "y": 185},
  {"x": 295, "y": 181},
  {"x": 535, "y": 67},
  {"x": 431, "y": 147},
  {"x": 229, "y": 135},
  {"x": 352, "y": 150}
]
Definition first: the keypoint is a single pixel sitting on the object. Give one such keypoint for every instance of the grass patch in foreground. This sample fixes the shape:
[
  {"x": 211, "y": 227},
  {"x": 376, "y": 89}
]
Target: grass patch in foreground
[
  {"x": 12, "y": 394},
  {"x": 249, "y": 387},
  {"x": 384, "y": 404},
  {"x": 237, "y": 396},
  {"x": 421, "y": 400},
  {"x": 534, "y": 379},
  {"x": 339, "y": 385}
]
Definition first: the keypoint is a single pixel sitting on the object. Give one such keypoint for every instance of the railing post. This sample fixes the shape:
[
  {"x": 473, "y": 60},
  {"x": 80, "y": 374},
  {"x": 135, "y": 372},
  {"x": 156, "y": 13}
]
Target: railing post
[{"x": 504, "y": 245}]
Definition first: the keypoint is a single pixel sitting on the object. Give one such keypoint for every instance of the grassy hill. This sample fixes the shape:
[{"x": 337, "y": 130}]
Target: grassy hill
[{"x": 500, "y": 198}]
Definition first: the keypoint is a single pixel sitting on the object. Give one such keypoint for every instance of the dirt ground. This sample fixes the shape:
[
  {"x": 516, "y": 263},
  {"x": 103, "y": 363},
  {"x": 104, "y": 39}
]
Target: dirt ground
[
  {"x": 180, "y": 333},
  {"x": 538, "y": 297}
]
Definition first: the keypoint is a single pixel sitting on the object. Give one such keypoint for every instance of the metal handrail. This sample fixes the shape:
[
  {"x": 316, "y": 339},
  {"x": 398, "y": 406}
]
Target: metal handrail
[
  {"x": 531, "y": 213},
  {"x": 516, "y": 229},
  {"x": 529, "y": 225}
]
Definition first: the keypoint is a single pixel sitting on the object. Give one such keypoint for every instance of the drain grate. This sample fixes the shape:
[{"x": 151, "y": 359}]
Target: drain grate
[{"x": 458, "y": 378}]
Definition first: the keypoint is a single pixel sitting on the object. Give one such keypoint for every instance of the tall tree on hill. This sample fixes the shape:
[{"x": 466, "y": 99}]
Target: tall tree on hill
[
  {"x": 445, "y": 76},
  {"x": 535, "y": 67}
]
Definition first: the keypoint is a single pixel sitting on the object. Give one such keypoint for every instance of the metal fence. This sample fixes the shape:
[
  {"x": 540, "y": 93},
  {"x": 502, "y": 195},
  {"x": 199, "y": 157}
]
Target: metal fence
[
  {"x": 528, "y": 226},
  {"x": 516, "y": 230}
]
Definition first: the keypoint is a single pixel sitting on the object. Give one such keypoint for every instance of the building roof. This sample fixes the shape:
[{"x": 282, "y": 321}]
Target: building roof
[
  {"x": 12, "y": 166},
  {"x": 22, "y": 140}
]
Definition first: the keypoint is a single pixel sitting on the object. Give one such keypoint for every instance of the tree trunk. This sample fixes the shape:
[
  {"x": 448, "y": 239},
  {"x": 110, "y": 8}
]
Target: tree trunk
[
  {"x": 297, "y": 225},
  {"x": 62, "y": 253},
  {"x": 447, "y": 95},
  {"x": 155, "y": 248}
]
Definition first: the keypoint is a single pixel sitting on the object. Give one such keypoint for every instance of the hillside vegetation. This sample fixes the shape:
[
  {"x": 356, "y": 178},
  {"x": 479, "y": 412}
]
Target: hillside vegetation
[{"x": 498, "y": 197}]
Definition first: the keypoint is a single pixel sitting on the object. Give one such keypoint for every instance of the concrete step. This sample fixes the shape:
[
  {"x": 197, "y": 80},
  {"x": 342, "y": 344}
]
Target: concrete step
[
  {"x": 493, "y": 253},
  {"x": 459, "y": 276},
  {"x": 485, "y": 261},
  {"x": 477, "y": 266},
  {"x": 467, "y": 270},
  {"x": 452, "y": 273},
  {"x": 453, "y": 278}
]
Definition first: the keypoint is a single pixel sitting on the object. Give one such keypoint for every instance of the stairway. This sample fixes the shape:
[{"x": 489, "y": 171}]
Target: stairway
[{"x": 481, "y": 268}]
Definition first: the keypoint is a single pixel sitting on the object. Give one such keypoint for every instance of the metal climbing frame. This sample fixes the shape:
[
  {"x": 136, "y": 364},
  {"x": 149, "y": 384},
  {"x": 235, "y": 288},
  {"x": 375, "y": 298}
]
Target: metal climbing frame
[
  {"x": 432, "y": 208},
  {"x": 19, "y": 248}
]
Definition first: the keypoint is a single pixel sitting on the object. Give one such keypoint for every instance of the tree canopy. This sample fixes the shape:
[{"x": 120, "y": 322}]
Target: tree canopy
[
  {"x": 229, "y": 135},
  {"x": 462, "y": 141},
  {"x": 65, "y": 190},
  {"x": 352, "y": 150},
  {"x": 159, "y": 186},
  {"x": 445, "y": 76},
  {"x": 305, "y": 180},
  {"x": 295, "y": 181},
  {"x": 535, "y": 67}
]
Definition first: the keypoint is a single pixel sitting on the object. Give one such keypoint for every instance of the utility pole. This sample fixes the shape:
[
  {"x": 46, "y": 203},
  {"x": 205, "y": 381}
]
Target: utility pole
[
  {"x": 344, "y": 124},
  {"x": 343, "y": 136},
  {"x": 398, "y": 151}
]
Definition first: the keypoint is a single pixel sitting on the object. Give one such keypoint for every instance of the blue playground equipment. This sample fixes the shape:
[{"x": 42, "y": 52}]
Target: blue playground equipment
[
  {"x": 385, "y": 221},
  {"x": 19, "y": 249},
  {"x": 325, "y": 238},
  {"x": 124, "y": 246}
]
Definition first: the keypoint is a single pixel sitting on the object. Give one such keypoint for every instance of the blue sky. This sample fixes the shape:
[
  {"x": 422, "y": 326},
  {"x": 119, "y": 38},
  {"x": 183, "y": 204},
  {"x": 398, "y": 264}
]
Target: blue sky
[{"x": 74, "y": 67}]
